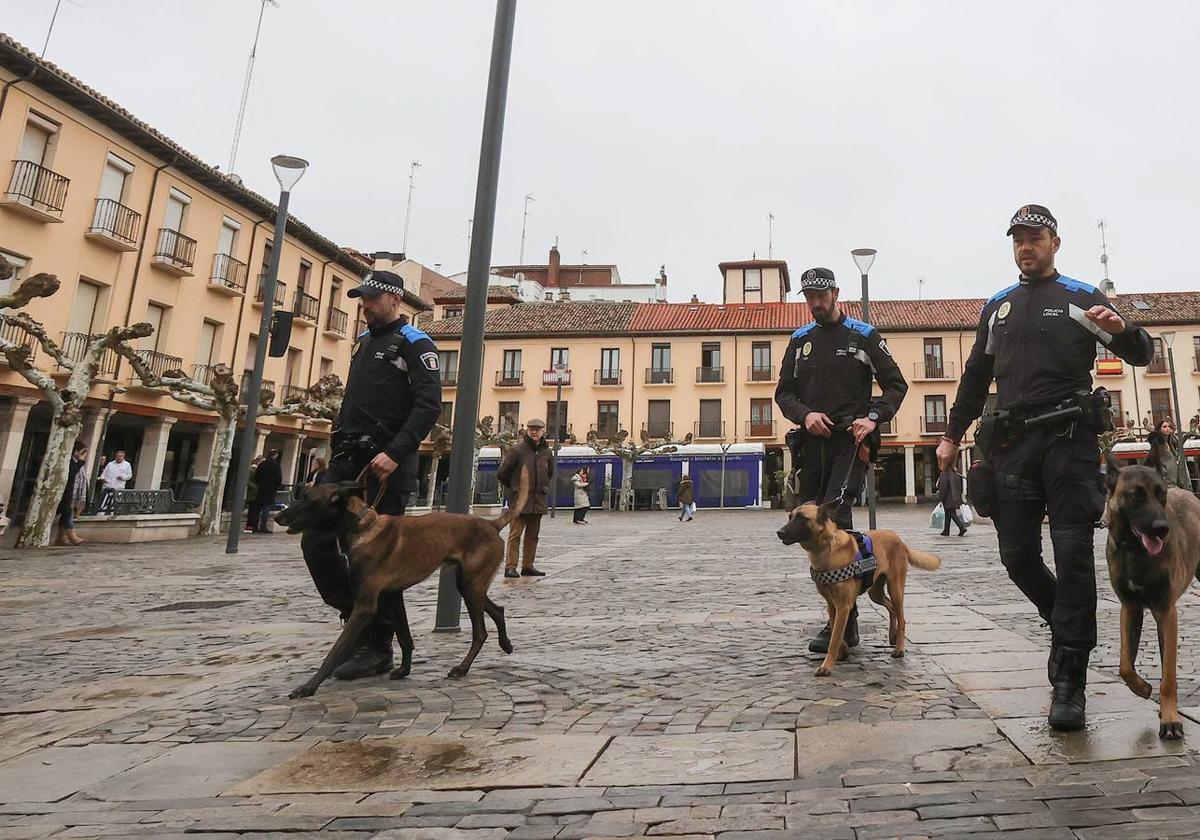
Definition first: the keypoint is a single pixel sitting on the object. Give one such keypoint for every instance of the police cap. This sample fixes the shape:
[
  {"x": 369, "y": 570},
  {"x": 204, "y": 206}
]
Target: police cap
[
  {"x": 1033, "y": 215},
  {"x": 817, "y": 279},
  {"x": 378, "y": 282}
]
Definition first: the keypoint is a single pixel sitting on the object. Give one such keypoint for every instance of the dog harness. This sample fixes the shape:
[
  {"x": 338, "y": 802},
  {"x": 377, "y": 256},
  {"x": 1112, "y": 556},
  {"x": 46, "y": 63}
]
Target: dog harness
[{"x": 862, "y": 567}]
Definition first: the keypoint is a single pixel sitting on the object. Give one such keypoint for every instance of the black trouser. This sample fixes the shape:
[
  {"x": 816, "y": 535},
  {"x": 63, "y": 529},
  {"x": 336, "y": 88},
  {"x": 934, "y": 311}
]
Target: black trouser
[
  {"x": 1052, "y": 471},
  {"x": 580, "y": 513},
  {"x": 956, "y": 515},
  {"x": 823, "y": 468},
  {"x": 327, "y": 564}
]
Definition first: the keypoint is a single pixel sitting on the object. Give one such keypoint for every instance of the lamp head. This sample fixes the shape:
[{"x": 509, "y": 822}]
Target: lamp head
[
  {"x": 1168, "y": 338},
  {"x": 863, "y": 257},
  {"x": 288, "y": 170}
]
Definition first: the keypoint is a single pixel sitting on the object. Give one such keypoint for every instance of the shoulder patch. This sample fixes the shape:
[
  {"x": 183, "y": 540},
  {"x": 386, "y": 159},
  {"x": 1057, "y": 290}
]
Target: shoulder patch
[
  {"x": 364, "y": 334},
  {"x": 1073, "y": 285},
  {"x": 859, "y": 326},
  {"x": 1002, "y": 293},
  {"x": 413, "y": 334},
  {"x": 805, "y": 330},
  {"x": 430, "y": 361}
]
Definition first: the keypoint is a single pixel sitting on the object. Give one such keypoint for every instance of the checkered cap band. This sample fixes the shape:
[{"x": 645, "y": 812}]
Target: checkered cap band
[
  {"x": 1035, "y": 219},
  {"x": 817, "y": 278},
  {"x": 370, "y": 284}
]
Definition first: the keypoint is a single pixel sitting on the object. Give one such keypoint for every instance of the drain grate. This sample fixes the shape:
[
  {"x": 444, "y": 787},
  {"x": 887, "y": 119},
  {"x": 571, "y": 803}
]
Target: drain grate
[{"x": 190, "y": 606}]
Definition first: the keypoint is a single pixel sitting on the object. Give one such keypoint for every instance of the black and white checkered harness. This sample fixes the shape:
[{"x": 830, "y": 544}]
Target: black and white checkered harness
[{"x": 862, "y": 567}]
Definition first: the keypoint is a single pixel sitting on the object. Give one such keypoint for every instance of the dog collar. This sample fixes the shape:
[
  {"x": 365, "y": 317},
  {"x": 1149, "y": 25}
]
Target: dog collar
[{"x": 862, "y": 565}]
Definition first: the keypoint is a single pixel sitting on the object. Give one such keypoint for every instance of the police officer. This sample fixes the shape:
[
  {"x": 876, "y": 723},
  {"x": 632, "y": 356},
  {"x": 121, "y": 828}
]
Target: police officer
[
  {"x": 825, "y": 387},
  {"x": 393, "y": 397},
  {"x": 1037, "y": 339}
]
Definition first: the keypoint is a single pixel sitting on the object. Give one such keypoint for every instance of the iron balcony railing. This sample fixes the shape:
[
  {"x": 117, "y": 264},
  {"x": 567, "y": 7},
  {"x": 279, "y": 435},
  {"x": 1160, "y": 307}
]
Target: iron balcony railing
[
  {"x": 202, "y": 374},
  {"x": 604, "y": 431},
  {"x": 74, "y": 346},
  {"x": 933, "y": 369},
  {"x": 607, "y": 377},
  {"x": 510, "y": 378},
  {"x": 305, "y": 306},
  {"x": 260, "y": 292},
  {"x": 175, "y": 249},
  {"x": 659, "y": 376},
  {"x": 228, "y": 272},
  {"x": 293, "y": 394},
  {"x": 267, "y": 385},
  {"x": 38, "y": 187},
  {"x": 15, "y": 335},
  {"x": 159, "y": 363},
  {"x": 1157, "y": 365},
  {"x": 659, "y": 428},
  {"x": 760, "y": 428},
  {"x": 115, "y": 220},
  {"x": 934, "y": 424},
  {"x": 336, "y": 321},
  {"x": 550, "y": 377},
  {"x": 709, "y": 429},
  {"x": 758, "y": 373},
  {"x": 710, "y": 374}
]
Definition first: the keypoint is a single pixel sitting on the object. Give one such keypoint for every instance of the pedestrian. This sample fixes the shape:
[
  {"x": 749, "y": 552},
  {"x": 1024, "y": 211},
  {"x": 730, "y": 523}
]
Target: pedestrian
[
  {"x": 115, "y": 475},
  {"x": 74, "y": 497},
  {"x": 253, "y": 509},
  {"x": 1037, "y": 339},
  {"x": 825, "y": 388},
  {"x": 582, "y": 503},
  {"x": 687, "y": 500},
  {"x": 1165, "y": 457},
  {"x": 268, "y": 478},
  {"x": 393, "y": 398},
  {"x": 530, "y": 453},
  {"x": 950, "y": 494},
  {"x": 319, "y": 466}
]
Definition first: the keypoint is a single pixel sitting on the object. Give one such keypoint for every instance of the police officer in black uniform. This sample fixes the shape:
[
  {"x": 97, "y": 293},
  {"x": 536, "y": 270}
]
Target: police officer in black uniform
[
  {"x": 393, "y": 397},
  {"x": 825, "y": 387},
  {"x": 1037, "y": 339}
]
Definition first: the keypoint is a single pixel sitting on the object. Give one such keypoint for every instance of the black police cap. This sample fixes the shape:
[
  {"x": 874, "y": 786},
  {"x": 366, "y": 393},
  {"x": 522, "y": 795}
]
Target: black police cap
[
  {"x": 1033, "y": 215},
  {"x": 378, "y": 282},
  {"x": 818, "y": 279}
]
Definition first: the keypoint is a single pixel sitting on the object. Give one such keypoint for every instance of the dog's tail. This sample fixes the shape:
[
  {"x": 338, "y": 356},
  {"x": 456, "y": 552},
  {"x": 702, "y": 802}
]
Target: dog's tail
[
  {"x": 923, "y": 559},
  {"x": 517, "y": 505}
]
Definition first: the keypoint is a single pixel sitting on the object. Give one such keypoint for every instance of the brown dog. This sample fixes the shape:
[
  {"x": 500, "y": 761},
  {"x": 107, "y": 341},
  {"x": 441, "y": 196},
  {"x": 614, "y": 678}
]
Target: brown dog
[
  {"x": 1153, "y": 548},
  {"x": 388, "y": 554},
  {"x": 830, "y": 548}
]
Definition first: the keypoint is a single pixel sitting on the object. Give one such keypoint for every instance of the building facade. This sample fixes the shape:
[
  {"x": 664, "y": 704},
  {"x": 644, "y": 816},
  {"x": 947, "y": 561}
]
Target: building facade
[{"x": 136, "y": 229}]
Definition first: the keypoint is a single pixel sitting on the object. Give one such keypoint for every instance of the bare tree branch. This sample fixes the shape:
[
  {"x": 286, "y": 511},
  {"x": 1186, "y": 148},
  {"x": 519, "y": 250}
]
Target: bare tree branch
[
  {"x": 38, "y": 286},
  {"x": 23, "y": 321},
  {"x": 18, "y": 359}
]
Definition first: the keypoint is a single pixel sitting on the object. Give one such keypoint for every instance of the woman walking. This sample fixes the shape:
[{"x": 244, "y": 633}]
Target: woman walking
[
  {"x": 687, "y": 500},
  {"x": 74, "y": 498},
  {"x": 582, "y": 503},
  {"x": 1166, "y": 456}
]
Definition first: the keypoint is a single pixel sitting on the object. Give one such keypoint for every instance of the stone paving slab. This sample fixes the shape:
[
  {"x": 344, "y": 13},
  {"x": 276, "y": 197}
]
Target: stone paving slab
[
  {"x": 52, "y": 773},
  {"x": 1107, "y": 737},
  {"x": 439, "y": 763},
  {"x": 713, "y": 757},
  {"x": 1035, "y": 702},
  {"x": 896, "y": 742}
]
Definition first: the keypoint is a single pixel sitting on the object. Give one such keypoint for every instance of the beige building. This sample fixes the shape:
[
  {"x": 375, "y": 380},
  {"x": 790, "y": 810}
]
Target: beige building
[
  {"x": 710, "y": 370},
  {"x": 139, "y": 229}
]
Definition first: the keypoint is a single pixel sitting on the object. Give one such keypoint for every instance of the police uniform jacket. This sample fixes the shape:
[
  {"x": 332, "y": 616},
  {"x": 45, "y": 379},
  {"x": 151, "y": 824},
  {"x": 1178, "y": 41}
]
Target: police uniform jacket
[
  {"x": 1035, "y": 340},
  {"x": 394, "y": 390},
  {"x": 828, "y": 368},
  {"x": 526, "y": 456}
]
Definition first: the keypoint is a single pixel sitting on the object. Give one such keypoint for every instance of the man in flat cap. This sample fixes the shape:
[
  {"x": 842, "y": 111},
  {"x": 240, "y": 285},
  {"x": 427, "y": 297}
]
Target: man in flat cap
[
  {"x": 825, "y": 388},
  {"x": 1037, "y": 339},
  {"x": 393, "y": 397},
  {"x": 531, "y": 453}
]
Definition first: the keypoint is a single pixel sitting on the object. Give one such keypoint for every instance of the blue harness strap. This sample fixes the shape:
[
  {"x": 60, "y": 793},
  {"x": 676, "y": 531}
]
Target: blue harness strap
[{"x": 862, "y": 567}]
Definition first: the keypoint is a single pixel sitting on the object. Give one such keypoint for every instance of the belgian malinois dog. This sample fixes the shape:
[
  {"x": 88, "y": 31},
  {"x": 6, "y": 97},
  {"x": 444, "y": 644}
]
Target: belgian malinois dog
[
  {"x": 829, "y": 548},
  {"x": 1153, "y": 552},
  {"x": 388, "y": 554}
]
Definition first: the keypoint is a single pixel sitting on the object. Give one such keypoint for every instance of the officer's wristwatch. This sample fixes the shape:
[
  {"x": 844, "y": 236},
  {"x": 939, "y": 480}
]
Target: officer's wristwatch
[{"x": 873, "y": 416}]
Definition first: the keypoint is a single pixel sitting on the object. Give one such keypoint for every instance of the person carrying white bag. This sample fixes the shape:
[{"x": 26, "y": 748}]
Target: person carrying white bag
[{"x": 950, "y": 495}]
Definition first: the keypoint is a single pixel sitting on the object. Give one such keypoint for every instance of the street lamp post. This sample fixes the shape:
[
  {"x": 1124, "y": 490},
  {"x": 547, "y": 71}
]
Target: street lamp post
[
  {"x": 288, "y": 170},
  {"x": 112, "y": 393},
  {"x": 560, "y": 373},
  {"x": 1169, "y": 340},
  {"x": 863, "y": 258}
]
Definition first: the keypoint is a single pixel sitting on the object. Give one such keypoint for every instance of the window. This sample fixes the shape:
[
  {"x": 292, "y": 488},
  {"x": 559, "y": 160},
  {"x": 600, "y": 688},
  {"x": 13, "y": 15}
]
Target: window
[
  {"x": 446, "y": 418},
  {"x": 752, "y": 280},
  {"x": 510, "y": 413},
  {"x": 251, "y": 352},
  {"x": 302, "y": 277},
  {"x": 227, "y": 241},
  {"x": 556, "y": 420},
  {"x": 1118, "y": 408},
  {"x": 1103, "y": 354},
  {"x": 291, "y": 374},
  {"x": 935, "y": 414},
  {"x": 559, "y": 356},
  {"x": 934, "y": 366},
  {"x": 448, "y": 365},
  {"x": 452, "y": 312},
  {"x": 156, "y": 316},
  {"x": 760, "y": 362},
  {"x": 1160, "y": 404},
  {"x": 1159, "y": 363},
  {"x": 762, "y": 421},
  {"x": 177, "y": 204},
  {"x": 326, "y": 366},
  {"x": 607, "y": 423},
  {"x": 658, "y": 418},
  {"x": 610, "y": 366},
  {"x": 19, "y": 265},
  {"x": 660, "y": 363},
  {"x": 266, "y": 258},
  {"x": 710, "y": 362},
  {"x": 109, "y": 216},
  {"x": 85, "y": 308},
  {"x": 207, "y": 349},
  {"x": 38, "y": 140},
  {"x": 710, "y": 425},
  {"x": 512, "y": 366}
]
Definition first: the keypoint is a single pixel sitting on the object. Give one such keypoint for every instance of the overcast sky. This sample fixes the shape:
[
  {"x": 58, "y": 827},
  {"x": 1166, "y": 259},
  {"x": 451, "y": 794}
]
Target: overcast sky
[{"x": 664, "y": 131}]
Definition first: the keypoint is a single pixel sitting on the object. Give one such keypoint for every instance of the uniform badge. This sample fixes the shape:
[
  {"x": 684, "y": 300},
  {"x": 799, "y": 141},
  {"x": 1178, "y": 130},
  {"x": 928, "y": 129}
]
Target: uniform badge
[
  {"x": 810, "y": 275},
  {"x": 1004, "y": 309},
  {"x": 430, "y": 360},
  {"x": 883, "y": 346},
  {"x": 806, "y": 349}
]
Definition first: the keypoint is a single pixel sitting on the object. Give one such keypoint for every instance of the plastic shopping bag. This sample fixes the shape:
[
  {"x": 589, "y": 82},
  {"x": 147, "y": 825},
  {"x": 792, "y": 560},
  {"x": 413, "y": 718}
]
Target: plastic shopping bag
[
  {"x": 937, "y": 520},
  {"x": 968, "y": 515}
]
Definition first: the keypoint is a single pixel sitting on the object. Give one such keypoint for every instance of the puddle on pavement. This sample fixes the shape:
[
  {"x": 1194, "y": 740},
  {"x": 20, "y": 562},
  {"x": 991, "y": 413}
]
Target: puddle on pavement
[{"x": 1107, "y": 737}]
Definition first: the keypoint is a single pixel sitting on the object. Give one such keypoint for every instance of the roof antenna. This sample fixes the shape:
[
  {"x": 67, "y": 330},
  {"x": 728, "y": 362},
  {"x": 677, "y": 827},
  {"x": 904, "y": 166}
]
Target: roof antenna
[
  {"x": 237, "y": 130},
  {"x": 1108, "y": 287}
]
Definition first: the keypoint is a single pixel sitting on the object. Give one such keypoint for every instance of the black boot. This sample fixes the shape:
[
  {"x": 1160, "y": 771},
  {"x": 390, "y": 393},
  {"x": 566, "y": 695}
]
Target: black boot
[
  {"x": 820, "y": 642},
  {"x": 373, "y": 657},
  {"x": 1067, "y": 669}
]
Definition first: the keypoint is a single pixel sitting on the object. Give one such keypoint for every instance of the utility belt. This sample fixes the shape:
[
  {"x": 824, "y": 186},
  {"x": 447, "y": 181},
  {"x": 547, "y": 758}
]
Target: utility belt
[
  {"x": 346, "y": 443},
  {"x": 797, "y": 438}
]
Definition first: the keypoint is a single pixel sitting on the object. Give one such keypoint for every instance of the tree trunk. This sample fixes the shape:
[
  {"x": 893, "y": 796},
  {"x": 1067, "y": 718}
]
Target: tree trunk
[
  {"x": 435, "y": 458},
  {"x": 52, "y": 481},
  {"x": 218, "y": 472},
  {"x": 625, "y": 501}
]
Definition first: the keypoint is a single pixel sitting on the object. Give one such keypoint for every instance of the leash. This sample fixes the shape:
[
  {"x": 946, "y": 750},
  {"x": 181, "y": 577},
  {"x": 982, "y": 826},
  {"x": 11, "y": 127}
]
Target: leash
[
  {"x": 841, "y": 496},
  {"x": 379, "y": 496}
]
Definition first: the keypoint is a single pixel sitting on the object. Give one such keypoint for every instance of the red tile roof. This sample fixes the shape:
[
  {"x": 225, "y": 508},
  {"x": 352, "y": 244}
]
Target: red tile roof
[{"x": 537, "y": 319}]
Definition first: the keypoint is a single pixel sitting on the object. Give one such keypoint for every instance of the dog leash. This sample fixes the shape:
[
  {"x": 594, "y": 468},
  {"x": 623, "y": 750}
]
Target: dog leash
[
  {"x": 382, "y": 488},
  {"x": 841, "y": 496}
]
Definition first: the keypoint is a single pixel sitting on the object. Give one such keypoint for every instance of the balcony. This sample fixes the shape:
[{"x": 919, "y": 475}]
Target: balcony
[
  {"x": 607, "y": 377},
  {"x": 175, "y": 252},
  {"x": 228, "y": 275},
  {"x": 74, "y": 345},
  {"x": 659, "y": 429},
  {"x": 15, "y": 335},
  {"x": 202, "y": 374},
  {"x": 933, "y": 370},
  {"x": 709, "y": 430},
  {"x": 244, "y": 386},
  {"x": 114, "y": 225},
  {"x": 449, "y": 377},
  {"x": 293, "y": 394},
  {"x": 561, "y": 434},
  {"x": 1157, "y": 366},
  {"x": 660, "y": 376},
  {"x": 335, "y": 322},
  {"x": 260, "y": 292},
  {"x": 935, "y": 425},
  {"x": 760, "y": 428},
  {"x": 36, "y": 191},
  {"x": 159, "y": 364},
  {"x": 605, "y": 431},
  {"x": 760, "y": 374},
  {"x": 550, "y": 379},
  {"x": 510, "y": 379},
  {"x": 710, "y": 375},
  {"x": 305, "y": 307}
]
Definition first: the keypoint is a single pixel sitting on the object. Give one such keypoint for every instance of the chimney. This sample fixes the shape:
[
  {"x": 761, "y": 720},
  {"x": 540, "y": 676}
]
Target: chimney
[
  {"x": 695, "y": 299},
  {"x": 552, "y": 273},
  {"x": 564, "y": 295}
]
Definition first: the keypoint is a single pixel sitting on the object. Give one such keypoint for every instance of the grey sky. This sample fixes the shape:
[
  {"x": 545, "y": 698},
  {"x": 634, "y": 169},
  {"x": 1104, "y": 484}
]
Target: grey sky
[{"x": 659, "y": 132}]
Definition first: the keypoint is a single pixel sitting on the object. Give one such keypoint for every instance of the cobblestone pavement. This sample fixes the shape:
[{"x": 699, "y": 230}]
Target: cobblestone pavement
[{"x": 660, "y": 686}]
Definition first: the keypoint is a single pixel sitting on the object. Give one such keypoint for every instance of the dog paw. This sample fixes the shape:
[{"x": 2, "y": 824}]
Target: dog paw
[
  {"x": 400, "y": 673},
  {"x": 824, "y": 672},
  {"x": 305, "y": 690},
  {"x": 506, "y": 646},
  {"x": 898, "y": 653},
  {"x": 1170, "y": 731},
  {"x": 457, "y": 671},
  {"x": 1139, "y": 686}
]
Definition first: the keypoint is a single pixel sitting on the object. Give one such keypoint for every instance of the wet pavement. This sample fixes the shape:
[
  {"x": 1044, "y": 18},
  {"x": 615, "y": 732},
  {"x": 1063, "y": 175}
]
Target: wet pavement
[{"x": 660, "y": 686}]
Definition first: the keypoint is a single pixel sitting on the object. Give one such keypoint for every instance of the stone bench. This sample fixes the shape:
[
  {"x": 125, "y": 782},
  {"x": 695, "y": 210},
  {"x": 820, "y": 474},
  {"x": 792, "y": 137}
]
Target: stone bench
[{"x": 136, "y": 527}]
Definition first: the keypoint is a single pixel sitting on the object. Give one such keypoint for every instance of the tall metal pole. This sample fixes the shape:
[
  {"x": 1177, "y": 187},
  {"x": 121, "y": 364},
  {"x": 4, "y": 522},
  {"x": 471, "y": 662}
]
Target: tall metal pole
[
  {"x": 558, "y": 430},
  {"x": 524, "y": 221},
  {"x": 470, "y": 367},
  {"x": 241, "y": 117},
  {"x": 866, "y": 313},
  {"x": 1180, "y": 427},
  {"x": 256, "y": 378},
  {"x": 412, "y": 178}
]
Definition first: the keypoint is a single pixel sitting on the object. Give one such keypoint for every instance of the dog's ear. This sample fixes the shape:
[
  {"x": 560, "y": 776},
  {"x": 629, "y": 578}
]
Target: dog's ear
[
  {"x": 1112, "y": 466},
  {"x": 826, "y": 511},
  {"x": 347, "y": 489}
]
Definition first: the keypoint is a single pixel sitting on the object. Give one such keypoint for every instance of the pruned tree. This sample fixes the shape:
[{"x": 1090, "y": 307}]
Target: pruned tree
[
  {"x": 503, "y": 439},
  {"x": 66, "y": 400},
  {"x": 442, "y": 441},
  {"x": 628, "y": 451}
]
